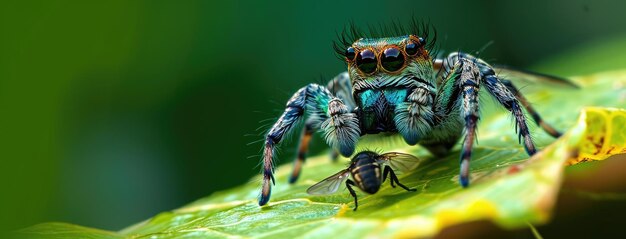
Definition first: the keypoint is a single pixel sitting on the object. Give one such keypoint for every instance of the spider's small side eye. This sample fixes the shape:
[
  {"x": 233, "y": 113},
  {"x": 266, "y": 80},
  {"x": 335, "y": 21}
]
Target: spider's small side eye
[
  {"x": 392, "y": 59},
  {"x": 422, "y": 41},
  {"x": 411, "y": 48},
  {"x": 366, "y": 61},
  {"x": 350, "y": 54}
]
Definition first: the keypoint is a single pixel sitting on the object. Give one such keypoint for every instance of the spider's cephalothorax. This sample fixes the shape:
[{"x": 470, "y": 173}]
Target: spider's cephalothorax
[
  {"x": 394, "y": 86},
  {"x": 392, "y": 79}
]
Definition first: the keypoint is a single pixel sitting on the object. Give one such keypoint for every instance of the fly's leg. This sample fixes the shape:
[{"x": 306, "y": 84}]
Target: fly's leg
[
  {"x": 349, "y": 184},
  {"x": 385, "y": 173},
  {"x": 533, "y": 113},
  {"x": 303, "y": 148},
  {"x": 393, "y": 178},
  {"x": 340, "y": 127}
]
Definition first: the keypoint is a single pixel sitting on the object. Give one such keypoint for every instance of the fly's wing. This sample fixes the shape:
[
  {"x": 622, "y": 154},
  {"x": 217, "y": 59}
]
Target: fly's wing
[
  {"x": 330, "y": 184},
  {"x": 533, "y": 77},
  {"x": 401, "y": 161}
]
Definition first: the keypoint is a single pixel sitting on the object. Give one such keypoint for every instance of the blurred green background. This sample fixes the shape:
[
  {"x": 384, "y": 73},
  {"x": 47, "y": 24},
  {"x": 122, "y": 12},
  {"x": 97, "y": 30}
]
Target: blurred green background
[{"x": 113, "y": 111}]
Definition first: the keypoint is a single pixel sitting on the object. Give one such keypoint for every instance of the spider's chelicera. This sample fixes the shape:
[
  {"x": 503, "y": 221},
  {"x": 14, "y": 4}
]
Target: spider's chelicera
[{"x": 393, "y": 85}]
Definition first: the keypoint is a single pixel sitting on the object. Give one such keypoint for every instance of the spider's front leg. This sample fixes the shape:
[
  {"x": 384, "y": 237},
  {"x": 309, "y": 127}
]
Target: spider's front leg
[
  {"x": 340, "y": 126},
  {"x": 341, "y": 88}
]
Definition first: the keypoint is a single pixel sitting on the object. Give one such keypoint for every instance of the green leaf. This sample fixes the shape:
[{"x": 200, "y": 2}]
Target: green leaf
[
  {"x": 65, "y": 230},
  {"x": 507, "y": 187}
]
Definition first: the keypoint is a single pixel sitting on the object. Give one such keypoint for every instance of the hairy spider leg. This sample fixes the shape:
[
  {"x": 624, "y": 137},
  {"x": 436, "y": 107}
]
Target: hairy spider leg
[
  {"x": 529, "y": 108},
  {"x": 439, "y": 65},
  {"x": 303, "y": 147},
  {"x": 340, "y": 127},
  {"x": 341, "y": 88},
  {"x": 507, "y": 99},
  {"x": 470, "y": 71},
  {"x": 311, "y": 95},
  {"x": 468, "y": 81},
  {"x": 448, "y": 125}
]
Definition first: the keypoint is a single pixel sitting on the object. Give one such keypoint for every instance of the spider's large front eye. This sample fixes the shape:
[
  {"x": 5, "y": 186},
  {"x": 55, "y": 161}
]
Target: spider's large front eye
[
  {"x": 392, "y": 59},
  {"x": 350, "y": 53},
  {"x": 366, "y": 61}
]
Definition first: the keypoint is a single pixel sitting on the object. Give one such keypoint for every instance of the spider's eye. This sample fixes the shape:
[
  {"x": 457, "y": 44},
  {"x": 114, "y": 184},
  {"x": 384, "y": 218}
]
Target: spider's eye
[
  {"x": 422, "y": 41},
  {"x": 366, "y": 61},
  {"x": 392, "y": 59},
  {"x": 350, "y": 53},
  {"x": 411, "y": 48}
]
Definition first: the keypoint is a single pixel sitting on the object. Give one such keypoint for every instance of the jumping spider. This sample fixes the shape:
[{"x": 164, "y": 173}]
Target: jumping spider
[{"x": 394, "y": 85}]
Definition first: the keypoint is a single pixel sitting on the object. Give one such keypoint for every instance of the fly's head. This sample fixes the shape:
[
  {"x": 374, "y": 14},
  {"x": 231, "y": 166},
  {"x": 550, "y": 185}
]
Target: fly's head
[
  {"x": 363, "y": 157},
  {"x": 385, "y": 62}
]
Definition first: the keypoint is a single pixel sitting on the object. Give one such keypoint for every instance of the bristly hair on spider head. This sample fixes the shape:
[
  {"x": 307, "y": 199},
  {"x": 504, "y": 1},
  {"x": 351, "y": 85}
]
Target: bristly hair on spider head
[{"x": 353, "y": 33}]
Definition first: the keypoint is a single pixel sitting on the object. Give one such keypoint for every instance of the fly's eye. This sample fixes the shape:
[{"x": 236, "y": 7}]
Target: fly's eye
[
  {"x": 366, "y": 61},
  {"x": 392, "y": 59},
  {"x": 350, "y": 53},
  {"x": 411, "y": 48}
]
